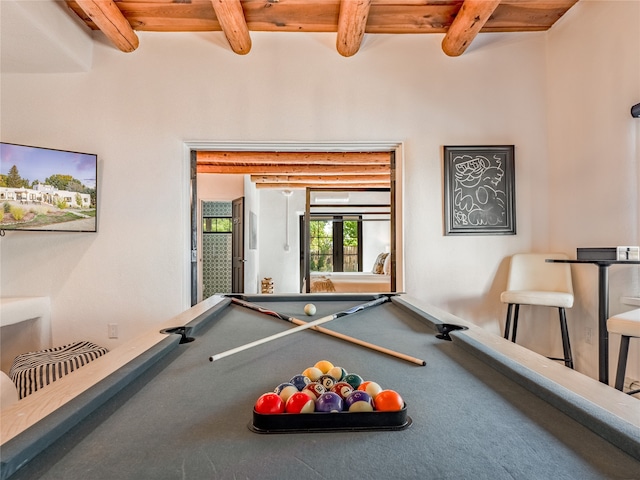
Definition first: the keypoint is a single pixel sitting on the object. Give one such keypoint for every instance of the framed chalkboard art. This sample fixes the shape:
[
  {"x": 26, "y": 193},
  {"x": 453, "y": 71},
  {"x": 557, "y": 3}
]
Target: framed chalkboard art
[{"x": 479, "y": 197}]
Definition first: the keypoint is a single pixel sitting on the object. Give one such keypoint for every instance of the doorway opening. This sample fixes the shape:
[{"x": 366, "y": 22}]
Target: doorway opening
[{"x": 258, "y": 181}]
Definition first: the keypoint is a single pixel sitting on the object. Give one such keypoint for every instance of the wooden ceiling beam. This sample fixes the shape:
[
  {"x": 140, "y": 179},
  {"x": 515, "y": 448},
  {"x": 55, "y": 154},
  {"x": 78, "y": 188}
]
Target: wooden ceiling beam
[
  {"x": 311, "y": 158},
  {"x": 352, "y": 23},
  {"x": 295, "y": 169},
  {"x": 328, "y": 179},
  {"x": 234, "y": 25},
  {"x": 109, "y": 19},
  {"x": 468, "y": 22}
]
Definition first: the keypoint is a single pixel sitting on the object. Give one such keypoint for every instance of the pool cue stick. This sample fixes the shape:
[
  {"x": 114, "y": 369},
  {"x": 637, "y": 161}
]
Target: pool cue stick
[
  {"x": 306, "y": 326},
  {"x": 326, "y": 331}
]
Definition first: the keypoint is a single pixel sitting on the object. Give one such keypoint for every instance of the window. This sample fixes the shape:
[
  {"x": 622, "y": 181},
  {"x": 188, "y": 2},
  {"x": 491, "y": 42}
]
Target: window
[
  {"x": 335, "y": 244},
  {"x": 216, "y": 225}
]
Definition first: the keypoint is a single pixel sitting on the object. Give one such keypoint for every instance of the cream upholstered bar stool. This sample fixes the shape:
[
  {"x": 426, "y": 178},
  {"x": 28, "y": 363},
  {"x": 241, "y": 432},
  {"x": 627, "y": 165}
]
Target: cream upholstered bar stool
[
  {"x": 533, "y": 281},
  {"x": 627, "y": 325}
]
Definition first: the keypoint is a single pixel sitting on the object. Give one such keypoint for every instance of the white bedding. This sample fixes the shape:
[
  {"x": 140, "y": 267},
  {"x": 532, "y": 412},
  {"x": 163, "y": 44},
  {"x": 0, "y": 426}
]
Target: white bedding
[{"x": 350, "y": 282}]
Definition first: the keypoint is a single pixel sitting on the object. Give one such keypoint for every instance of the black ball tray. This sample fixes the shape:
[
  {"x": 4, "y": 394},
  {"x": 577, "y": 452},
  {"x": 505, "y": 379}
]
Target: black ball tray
[{"x": 329, "y": 422}]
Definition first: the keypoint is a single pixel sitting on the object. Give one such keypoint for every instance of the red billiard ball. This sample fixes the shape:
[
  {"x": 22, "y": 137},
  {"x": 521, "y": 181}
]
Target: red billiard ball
[
  {"x": 269, "y": 403},
  {"x": 299, "y": 402},
  {"x": 314, "y": 390},
  {"x": 343, "y": 389},
  {"x": 329, "y": 402}
]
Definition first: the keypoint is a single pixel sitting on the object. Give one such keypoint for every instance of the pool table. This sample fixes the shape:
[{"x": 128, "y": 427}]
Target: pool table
[{"x": 481, "y": 407}]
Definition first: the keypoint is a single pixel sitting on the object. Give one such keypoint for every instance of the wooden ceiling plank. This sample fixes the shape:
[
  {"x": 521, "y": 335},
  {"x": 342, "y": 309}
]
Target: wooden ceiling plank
[
  {"x": 320, "y": 178},
  {"x": 109, "y": 19},
  {"x": 284, "y": 158},
  {"x": 296, "y": 169},
  {"x": 294, "y": 186},
  {"x": 471, "y": 18},
  {"x": 234, "y": 25},
  {"x": 352, "y": 23}
]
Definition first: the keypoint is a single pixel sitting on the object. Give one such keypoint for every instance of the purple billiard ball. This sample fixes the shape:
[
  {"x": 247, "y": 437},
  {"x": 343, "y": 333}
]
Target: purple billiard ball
[
  {"x": 359, "y": 401},
  {"x": 329, "y": 402},
  {"x": 300, "y": 381}
]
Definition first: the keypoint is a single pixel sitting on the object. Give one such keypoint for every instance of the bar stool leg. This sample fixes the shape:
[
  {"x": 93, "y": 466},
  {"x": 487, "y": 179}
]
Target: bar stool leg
[
  {"x": 622, "y": 361},
  {"x": 507, "y": 323},
  {"x": 566, "y": 346},
  {"x": 515, "y": 322}
]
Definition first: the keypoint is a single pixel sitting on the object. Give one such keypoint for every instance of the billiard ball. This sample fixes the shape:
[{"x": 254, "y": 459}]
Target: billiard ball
[
  {"x": 314, "y": 390},
  {"x": 269, "y": 403},
  {"x": 313, "y": 373},
  {"x": 299, "y": 402},
  {"x": 329, "y": 402},
  {"x": 310, "y": 309},
  {"x": 300, "y": 381},
  {"x": 338, "y": 373},
  {"x": 285, "y": 390},
  {"x": 358, "y": 397},
  {"x": 372, "y": 388},
  {"x": 343, "y": 389},
  {"x": 327, "y": 381},
  {"x": 324, "y": 365},
  {"x": 353, "y": 379},
  {"x": 389, "y": 401}
]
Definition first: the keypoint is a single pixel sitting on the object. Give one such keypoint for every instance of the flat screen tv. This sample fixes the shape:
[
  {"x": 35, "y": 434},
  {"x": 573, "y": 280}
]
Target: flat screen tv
[{"x": 43, "y": 189}]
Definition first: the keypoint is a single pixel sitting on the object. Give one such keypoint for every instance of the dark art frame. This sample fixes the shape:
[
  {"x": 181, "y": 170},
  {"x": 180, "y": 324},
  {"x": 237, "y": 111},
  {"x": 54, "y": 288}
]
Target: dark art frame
[{"x": 479, "y": 190}]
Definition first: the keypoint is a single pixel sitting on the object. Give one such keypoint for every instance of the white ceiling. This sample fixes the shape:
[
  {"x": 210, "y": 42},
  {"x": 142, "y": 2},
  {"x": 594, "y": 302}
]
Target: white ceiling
[{"x": 40, "y": 36}]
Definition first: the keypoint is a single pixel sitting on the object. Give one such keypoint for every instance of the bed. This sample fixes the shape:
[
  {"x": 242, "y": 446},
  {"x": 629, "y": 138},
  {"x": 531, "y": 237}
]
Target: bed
[{"x": 377, "y": 280}]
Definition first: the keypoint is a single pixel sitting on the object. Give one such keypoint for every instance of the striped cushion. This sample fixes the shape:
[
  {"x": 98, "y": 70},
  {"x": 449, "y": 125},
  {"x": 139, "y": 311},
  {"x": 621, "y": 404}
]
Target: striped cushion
[{"x": 33, "y": 370}]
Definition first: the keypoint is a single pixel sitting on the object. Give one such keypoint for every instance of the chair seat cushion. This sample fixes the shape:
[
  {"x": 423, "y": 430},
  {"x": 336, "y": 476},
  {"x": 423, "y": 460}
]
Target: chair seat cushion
[
  {"x": 627, "y": 323},
  {"x": 33, "y": 370},
  {"x": 533, "y": 297}
]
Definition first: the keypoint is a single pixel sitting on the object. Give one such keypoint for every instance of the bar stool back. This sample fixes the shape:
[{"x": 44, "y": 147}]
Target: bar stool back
[
  {"x": 533, "y": 281},
  {"x": 627, "y": 325}
]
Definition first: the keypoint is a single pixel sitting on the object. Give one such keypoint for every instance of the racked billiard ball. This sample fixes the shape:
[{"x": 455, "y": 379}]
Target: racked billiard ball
[
  {"x": 285, "y": 390},
  {"x": 338, "y": 373},
  {"x": 314, "y": 390},
  {"x": 329, "y": 402},
  {"x": 353, "y": 379},
  {"x": 299, "y": 402},
  {"x": 327, "y": 381},
  {"x": 389, "y": 401},
  {"x": 343, "y": 389},
  {"x": 359, "y": 401},
  {"x": 269, "y": 403},
  {"x": 300, "y": 381}
]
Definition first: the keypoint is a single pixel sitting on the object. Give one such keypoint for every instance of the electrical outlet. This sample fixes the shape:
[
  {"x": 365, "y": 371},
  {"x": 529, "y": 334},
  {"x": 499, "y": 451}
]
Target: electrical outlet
[
  {"x": 113, "y": 330},
  {"x": 588, "y": 335}
]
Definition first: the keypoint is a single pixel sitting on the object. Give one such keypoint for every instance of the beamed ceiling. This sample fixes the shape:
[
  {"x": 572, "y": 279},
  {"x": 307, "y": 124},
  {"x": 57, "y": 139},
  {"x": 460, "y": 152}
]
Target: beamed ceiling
[
  {"x": 292, "y": 170},
  {"x": 351, "y": 20}
]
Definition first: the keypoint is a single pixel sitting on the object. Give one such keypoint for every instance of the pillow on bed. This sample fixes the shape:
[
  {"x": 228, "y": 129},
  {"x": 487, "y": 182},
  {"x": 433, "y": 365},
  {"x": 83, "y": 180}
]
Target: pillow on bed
[
  {"x": 378, "y": 266},
  {"x": 386, "y": 268}
]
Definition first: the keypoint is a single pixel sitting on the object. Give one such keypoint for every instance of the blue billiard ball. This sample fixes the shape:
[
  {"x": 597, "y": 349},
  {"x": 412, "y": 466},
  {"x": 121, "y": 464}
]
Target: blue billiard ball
[{"x": 300, "y": 381}]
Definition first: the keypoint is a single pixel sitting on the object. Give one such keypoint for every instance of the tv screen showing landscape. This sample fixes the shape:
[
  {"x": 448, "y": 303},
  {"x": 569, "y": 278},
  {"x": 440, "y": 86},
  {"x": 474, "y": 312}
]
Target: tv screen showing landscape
[{"x": 43, "y": 189}]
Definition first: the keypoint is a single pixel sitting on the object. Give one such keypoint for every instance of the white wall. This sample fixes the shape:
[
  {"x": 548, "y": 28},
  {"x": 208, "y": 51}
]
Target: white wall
[
  {"x": 593, "y": 71},
  {"x": 136, "y": 111}
]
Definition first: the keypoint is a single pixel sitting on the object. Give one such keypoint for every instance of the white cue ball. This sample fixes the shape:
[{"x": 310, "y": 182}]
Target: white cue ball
[{"x": 310, "y": 309}]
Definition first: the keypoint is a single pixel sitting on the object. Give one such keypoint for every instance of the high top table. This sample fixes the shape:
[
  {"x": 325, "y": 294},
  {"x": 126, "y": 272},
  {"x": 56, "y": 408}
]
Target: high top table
[{"x": 603, "y": 309}]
